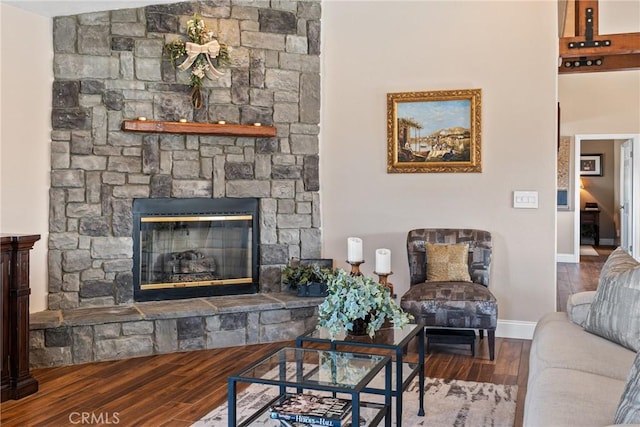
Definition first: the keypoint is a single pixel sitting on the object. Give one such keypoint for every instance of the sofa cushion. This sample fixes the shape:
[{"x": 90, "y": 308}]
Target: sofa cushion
[
  {"x": 565, "y": 397},
  {"x": 447, "y": 263},
  {"x": 615, "y": 311},
  {"x": 629, "y": 407},
  {"x": 559, "y": 343}
]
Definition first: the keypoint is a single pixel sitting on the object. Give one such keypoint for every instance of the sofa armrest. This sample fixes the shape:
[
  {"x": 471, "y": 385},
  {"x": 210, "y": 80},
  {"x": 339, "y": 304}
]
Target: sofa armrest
[{"x": 578, "y": 306}]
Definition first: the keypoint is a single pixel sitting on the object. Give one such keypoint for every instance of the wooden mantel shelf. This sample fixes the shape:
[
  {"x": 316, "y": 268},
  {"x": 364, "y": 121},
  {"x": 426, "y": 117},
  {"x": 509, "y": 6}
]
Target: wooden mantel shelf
[{"x": 190, "y": 128}]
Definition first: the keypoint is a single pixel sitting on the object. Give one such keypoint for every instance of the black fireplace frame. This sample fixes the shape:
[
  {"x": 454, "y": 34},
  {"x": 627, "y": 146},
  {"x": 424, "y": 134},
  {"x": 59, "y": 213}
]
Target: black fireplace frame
[{"x": 189, "y": 207}]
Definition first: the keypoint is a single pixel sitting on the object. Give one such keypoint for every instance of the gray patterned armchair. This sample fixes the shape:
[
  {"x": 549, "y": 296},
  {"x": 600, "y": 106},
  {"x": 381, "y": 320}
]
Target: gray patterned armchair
[{"x": 452, "y": 304}]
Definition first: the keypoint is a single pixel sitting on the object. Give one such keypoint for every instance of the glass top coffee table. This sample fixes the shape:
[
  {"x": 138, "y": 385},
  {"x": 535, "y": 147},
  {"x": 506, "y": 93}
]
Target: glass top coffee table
[
  {"x": 389, "y": 338},
  {"x": 294, "y": 370}
]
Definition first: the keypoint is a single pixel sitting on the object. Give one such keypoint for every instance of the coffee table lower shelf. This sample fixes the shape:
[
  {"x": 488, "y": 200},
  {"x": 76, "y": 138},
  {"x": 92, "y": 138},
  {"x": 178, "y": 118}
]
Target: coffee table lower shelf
[{"x": 373, "y": 413}]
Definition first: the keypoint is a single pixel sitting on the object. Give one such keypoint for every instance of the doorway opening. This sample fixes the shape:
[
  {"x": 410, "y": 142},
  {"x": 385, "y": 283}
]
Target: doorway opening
[{"x": 625, "y": 208}]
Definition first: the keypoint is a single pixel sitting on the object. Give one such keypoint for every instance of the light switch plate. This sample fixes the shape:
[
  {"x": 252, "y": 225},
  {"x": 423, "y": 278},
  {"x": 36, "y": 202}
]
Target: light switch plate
[{"x": 525, "y": 199}]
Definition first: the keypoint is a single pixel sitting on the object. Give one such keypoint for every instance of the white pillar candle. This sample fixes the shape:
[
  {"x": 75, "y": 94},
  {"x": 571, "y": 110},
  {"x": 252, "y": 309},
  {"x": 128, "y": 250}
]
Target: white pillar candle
[
  {"x": 383, "y": 261},
  {"x": 354, "y": 249}
]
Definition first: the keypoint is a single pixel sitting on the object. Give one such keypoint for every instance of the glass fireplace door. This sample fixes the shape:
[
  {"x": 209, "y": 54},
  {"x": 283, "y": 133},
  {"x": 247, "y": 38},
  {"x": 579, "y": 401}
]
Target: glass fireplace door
[
  {"x": 195, "y": 251},
  {"x": 198, "y": 247}
]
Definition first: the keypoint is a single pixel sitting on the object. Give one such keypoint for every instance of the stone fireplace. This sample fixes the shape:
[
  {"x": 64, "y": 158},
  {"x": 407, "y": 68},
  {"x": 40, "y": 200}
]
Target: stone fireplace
[
  {"x": 109, "y": 68},
  {"x": 184, "y": 248}
]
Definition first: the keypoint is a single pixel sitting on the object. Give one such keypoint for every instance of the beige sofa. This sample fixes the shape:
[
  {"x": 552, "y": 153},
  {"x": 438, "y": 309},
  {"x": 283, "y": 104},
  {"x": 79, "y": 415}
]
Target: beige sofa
[
  {"x": 576, "y": 378},
  {"x": 584, "y": 370}
]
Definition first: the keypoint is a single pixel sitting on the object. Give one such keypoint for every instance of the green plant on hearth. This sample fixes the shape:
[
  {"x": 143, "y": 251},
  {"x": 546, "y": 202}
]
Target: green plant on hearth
[
  {"x": 351, "y": 299},
  {"x": 296, "y": 274},
  {"x": 202, "y": 53}
]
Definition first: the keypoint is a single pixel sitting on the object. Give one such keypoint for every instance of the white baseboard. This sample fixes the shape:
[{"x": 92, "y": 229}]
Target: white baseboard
[
  {"x": 572, "y": 258},
  {"x": 515, "y": 329}
]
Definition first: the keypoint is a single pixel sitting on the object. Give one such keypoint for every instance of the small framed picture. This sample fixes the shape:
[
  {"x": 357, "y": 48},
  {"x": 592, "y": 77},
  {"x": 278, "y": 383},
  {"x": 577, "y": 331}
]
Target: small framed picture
[{"x": 591, "y": 164}]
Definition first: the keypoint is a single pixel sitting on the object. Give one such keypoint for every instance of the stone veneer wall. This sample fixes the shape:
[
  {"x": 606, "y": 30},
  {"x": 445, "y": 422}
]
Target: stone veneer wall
[
  {"x": 109, "y": 66},
  {"x": 94, "y": 334}
]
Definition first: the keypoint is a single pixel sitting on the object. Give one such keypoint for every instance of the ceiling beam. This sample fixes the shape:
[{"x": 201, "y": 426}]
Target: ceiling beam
[
  {"x": 618, "y": 44},
  {"x": 589, "y": 51},
  {"x": 581, "y": 18},
  {"x": 607, "y": 63}
]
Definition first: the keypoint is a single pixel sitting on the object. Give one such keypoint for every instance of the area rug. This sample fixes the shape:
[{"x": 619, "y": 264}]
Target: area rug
[
  {"x": 587, "y": 250},
  {"x": 447, "y": 403}
]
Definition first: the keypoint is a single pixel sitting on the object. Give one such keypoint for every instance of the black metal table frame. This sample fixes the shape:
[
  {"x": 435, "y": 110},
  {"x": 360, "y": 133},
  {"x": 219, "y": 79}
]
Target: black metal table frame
[
  {"x": 384, "y": 410},
  {"x": 399, "y": 350}
]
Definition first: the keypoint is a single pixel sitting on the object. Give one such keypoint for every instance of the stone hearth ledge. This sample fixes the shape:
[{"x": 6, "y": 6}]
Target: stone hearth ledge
[{"x": 92, "y": 334}]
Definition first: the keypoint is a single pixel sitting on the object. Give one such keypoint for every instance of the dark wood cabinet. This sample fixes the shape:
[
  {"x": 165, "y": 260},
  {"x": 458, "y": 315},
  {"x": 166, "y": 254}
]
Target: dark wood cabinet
[
  {"x": 17, "y": 381},
  {"x": 590, "y": 225}
]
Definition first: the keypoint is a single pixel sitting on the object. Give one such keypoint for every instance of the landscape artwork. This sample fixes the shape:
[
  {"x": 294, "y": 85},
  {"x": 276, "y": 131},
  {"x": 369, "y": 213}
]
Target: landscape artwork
[{"x": 435, "y": 131}]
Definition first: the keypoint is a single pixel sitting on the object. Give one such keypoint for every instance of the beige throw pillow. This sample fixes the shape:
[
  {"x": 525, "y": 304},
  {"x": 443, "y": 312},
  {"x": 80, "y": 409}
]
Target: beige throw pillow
[{"x": 447, "y": 263}]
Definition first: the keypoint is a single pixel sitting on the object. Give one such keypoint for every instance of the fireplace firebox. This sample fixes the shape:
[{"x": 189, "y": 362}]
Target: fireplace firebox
[{"x": 186, "y": 248}]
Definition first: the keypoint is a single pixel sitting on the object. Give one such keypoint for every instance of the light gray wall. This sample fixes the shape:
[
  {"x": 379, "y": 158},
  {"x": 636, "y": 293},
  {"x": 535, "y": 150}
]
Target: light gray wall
[
  {"x": 25, "y": 125},
  {"x": 405, "y": 46}
]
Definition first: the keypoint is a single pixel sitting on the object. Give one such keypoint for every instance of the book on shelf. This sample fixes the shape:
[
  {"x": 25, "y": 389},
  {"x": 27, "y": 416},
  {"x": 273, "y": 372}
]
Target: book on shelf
[
  {"x": 346, "y": 422},
  {"x": 308, "y": 409}
]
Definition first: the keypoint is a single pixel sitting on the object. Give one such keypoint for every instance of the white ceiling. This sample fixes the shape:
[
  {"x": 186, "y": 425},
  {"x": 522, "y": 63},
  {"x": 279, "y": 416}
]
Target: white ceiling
[{"x": 62, "y": 8}]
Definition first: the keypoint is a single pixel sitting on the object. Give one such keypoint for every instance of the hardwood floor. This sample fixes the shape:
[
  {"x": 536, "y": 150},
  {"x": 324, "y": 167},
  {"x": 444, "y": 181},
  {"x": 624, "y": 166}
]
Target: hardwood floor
[
  {"x": 580, "y": 277},
  {"x": 178, "y": 389}
]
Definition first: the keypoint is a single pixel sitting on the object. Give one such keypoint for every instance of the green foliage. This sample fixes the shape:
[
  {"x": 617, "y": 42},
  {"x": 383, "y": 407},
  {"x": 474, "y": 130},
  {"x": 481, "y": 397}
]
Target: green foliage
[
  {"x": 295, "y": 274},
  {"x": 176, "y": 50},
  {"x": 355, "y": 297}
]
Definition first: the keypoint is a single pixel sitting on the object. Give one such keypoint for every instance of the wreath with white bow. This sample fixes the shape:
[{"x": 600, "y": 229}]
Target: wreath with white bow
[{"x": 200, "y": 54}]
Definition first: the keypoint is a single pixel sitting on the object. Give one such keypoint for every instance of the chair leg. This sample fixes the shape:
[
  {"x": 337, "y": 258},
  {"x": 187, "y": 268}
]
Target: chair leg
[{"x": 492, "y": 343}]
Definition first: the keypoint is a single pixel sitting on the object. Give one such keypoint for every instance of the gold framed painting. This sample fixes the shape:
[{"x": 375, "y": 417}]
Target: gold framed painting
[{"x": 436, "y": 131}]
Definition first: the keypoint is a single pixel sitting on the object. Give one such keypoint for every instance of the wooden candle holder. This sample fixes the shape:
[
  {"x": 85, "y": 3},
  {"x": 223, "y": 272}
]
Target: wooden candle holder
[
  {"x": 355, "y": 267},
  {"x": 382, "y": 279}
]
